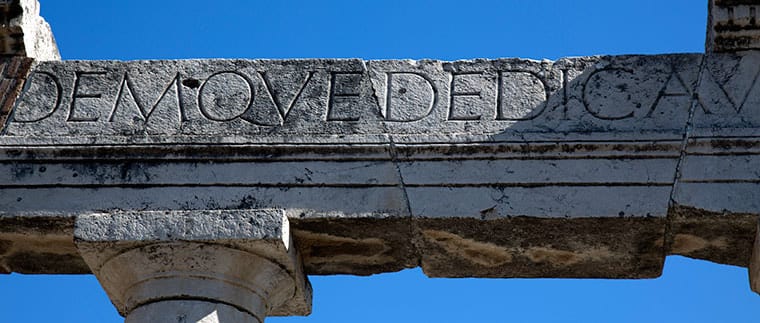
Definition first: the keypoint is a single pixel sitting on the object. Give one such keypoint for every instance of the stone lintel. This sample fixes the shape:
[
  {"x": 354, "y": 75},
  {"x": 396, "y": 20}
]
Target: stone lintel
[
  {"x": 241, "y": 259},
  {"x": 581, "y": 167}
]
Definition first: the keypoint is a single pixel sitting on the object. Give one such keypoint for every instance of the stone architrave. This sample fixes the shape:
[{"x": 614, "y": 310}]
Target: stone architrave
[
  {"x": 487, "y": 168},
  {"x": 205, "y": 190}
]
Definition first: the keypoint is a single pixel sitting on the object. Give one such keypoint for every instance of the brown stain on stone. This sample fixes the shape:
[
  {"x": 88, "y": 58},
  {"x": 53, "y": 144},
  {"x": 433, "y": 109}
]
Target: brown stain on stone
[
  {"x": 37, "y": 254},
  {"x": 356, "y": 246},
  {"x": 12, "y": 78},
  {"x": 39, "y": 244},
  {"x": 59, "y": 243},
  {"x": 619, "y": 247},
  {"x": 481, "y": 253},
  {"x": 720, "y": 237},
  {"x": 553, "y": 256},
  {"x": 567, "y": 258},
  {"x": 5, "y": 245},
  {"x": 45, "y": 263},
  {"x": 37, "y": 225},
  {"x": 686, "y": 243},
  {"x": 320, "y": 248}
]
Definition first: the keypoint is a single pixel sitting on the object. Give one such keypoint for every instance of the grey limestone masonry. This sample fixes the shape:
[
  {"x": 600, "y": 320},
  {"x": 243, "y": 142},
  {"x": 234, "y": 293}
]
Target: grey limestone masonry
[
  {"x": 196, "y": 186},
  {"x": 492, "y": 168}
]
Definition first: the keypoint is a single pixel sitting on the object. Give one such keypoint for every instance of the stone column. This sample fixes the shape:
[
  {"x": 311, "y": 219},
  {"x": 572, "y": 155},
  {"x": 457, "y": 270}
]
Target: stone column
[
  {"x": 195, "y": 266},
  {"x": 732, "y": 25}
]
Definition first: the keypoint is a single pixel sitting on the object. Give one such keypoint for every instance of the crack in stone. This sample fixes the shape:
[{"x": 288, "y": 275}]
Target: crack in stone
[
  {"x": 393, "y": 154},
  {"x": 688, "y": 127}
]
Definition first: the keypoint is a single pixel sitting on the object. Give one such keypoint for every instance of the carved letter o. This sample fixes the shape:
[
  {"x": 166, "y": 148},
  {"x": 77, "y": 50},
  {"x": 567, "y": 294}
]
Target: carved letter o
[{"x": 225, "y": 96}]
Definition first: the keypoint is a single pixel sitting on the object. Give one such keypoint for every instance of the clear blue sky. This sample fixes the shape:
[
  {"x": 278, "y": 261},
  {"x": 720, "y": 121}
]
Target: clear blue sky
[{"x": 689, "y": 291}]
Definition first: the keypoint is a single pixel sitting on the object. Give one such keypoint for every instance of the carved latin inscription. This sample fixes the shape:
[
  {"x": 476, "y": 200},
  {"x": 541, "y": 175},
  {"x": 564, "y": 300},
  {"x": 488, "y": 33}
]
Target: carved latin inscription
[
  {"x": 198, "y": 97},
  {"x": 126, "y": 96}
]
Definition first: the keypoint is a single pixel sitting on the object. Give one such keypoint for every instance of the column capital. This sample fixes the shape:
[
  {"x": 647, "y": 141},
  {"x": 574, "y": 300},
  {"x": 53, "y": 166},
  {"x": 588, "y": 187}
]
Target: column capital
[{"x": 241, "y": 260}]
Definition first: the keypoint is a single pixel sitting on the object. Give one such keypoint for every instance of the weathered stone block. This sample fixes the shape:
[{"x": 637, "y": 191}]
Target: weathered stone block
[
  {"x": 376, "y": 162},
  {"x": 716, "y": 198},
  {"x": 526, "y": 247}
]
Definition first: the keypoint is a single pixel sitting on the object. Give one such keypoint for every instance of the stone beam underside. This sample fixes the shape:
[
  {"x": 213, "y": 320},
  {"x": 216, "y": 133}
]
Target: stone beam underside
[{"x": 581, "y": 167}]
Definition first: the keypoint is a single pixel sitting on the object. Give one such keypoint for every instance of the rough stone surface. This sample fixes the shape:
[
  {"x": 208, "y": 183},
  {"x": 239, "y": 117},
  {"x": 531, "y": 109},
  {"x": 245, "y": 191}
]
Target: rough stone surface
[
  {"x": 363, "y": 246},
  {"x": 39, "y": 245},
  {"x": 721, "y": 237},
  {"x": 536, "y": 248},
  {"x": 754, "y": 266},
  {"x": 733, "y": 26},
  {"x": 581, "y": 167},
  {"x": 13, "y": 73},
  {"x": 242, "y": 258},
  {"x": 24, "y": 33}
]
